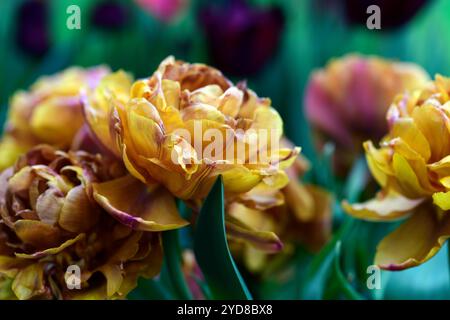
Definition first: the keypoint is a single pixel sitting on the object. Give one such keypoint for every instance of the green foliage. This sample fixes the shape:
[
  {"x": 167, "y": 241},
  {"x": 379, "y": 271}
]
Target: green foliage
[{"x": 212, "y": 252}]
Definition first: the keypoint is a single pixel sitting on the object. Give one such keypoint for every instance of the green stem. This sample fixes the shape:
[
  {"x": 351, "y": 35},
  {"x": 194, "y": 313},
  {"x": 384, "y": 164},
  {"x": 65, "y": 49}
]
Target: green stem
[{"x": 347, "y": 289}]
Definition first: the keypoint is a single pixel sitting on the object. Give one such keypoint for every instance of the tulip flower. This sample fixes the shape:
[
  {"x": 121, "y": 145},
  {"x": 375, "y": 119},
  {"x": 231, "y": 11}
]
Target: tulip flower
[
  {"x": 411, "y": 165},
  {"x": 274, "y": 218},
  {"x": 159, "y": 127},
  {"x": 348, "y": 99},
  {"x": 50, "y": 112},
  {"x": 69, "y": 210}
]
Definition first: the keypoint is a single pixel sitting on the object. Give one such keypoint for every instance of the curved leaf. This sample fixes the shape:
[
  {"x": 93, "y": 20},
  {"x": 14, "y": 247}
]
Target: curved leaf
[{"x": 212, "y": 252}]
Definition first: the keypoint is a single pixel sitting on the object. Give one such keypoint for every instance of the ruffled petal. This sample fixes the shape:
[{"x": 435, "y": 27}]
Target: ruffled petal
[{"x": 137, "y": 206}]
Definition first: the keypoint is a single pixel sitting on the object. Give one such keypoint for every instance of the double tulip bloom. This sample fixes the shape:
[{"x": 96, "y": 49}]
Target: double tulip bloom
[
  {"x": 56, "y": 213},
  {"x": 412, "y": 166},
  {"x": 158, "y": 127}
]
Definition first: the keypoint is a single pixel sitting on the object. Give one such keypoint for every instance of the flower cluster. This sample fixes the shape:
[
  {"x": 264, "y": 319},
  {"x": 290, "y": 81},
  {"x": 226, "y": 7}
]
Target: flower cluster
[{"x": 94, "y": 162}]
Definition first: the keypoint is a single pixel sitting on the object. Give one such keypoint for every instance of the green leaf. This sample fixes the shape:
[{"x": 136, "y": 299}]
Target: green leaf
[
  {"x": 212, "y": 252},
  {"x": 356, "y": 180},
  {"x": 314, "y": 281},
  {"x": 173, "y": 262}
]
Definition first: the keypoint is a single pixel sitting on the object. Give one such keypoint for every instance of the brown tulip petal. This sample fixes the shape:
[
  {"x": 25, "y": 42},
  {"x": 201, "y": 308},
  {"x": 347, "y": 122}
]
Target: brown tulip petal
[
  {"x": 137, "y": 206},
  {"x": 417, "y": 240},
  {"x": 37, "y": 233},
  {"x": 48, "y": 206},
  {"x": 114, "y": 278},
  {"x": 51, "y": 251},
  {"x": 78, "y": 214}
]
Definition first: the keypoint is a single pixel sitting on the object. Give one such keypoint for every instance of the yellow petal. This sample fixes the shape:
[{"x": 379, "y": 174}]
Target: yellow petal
[
  {"x": 433, "y": 123},
  {"x": 29, "y": 282},
  {"x": 60, "y": 129},
  {"x": 406, "y": 129},
  {"x": 240, "y": 179},
  {"x": 145, "y": 129},
  {"x": 99, "y": 105},
  {"x": 407, "y": 178},
  {"x": 382, "y": 208},
  {"x": 253, "y": 227},
  {"x": 417, "y": 240},
  {"x": 378, "y": 162},
  {"x": 442, "y": 200}
]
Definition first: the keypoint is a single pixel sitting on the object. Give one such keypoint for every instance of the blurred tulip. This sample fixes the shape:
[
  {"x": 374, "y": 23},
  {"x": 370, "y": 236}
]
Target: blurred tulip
[
  {"x": 241, "y": 39},
  {"x": 110, "y": 14},
  {"x": 32, "y": 30},
  {"x": 348, "y": 99},
  {"x": 50, "y": 112},
  {"x": 63, "y": 209},
  {"x": 164, "y": 10},
  {"x": 412, "y": 167}
]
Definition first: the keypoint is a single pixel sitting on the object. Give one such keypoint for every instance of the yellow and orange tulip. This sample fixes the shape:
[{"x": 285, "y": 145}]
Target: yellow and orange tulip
[
  {"x": 140, "y": 122},
  {"x": 412, "y": 166}
]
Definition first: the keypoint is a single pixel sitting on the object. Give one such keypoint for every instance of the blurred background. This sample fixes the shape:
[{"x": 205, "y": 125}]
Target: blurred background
[{"x": 273, "y": 44}]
